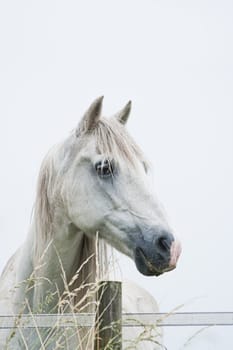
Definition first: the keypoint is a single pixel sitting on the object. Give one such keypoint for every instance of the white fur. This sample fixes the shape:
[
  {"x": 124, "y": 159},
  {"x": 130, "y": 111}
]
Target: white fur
[{"x": 72, "y": 204}]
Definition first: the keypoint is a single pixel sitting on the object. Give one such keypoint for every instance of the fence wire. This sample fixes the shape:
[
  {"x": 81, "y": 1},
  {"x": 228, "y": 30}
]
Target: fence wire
[{"x": 182, "y": 319}]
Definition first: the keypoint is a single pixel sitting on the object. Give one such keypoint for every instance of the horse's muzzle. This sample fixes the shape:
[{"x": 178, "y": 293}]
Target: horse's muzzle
[{"x": 157, "y": 255}]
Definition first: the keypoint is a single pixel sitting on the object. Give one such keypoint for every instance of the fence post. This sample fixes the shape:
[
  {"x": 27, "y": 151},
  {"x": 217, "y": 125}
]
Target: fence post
[{"x": 108, "y": 332}]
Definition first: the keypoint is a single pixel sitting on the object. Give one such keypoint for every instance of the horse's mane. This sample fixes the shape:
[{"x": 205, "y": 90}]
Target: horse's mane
[
  {"x": 111, "y": 139},
  {"x": 43, "y": 211}
]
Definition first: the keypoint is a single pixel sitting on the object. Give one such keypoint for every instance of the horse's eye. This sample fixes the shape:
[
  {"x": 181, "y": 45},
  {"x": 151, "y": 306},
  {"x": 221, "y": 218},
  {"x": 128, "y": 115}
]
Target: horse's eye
[{"x": 104, "y": 168}]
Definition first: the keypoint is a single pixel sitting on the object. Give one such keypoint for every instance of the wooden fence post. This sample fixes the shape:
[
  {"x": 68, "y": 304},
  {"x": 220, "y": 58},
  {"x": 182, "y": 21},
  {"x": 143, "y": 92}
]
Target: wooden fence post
[{"x": 108, "y": 331}]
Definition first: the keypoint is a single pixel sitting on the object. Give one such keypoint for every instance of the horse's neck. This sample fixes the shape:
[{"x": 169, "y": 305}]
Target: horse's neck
[
  {"x": 63, "y": 272},
  {"x": 65, "y": 266}
]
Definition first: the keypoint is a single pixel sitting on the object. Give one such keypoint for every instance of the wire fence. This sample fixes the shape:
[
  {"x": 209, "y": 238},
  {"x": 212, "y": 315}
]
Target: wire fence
[
  {"x": 108, "y": 321},
  {"x": 182, "y": 319}
]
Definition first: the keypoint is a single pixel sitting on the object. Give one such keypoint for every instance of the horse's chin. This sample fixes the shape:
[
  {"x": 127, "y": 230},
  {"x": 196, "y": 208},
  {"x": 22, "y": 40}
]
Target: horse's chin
[
  {"x": 147, "y": 272},
  {"x": 146, "y": 268}
]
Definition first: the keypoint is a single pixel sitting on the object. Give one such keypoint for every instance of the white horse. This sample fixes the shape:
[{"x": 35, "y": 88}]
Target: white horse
[{"x": 93, "y": 183}]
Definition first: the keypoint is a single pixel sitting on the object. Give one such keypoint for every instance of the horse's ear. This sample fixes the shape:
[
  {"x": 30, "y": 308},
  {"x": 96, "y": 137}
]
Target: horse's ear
[
  {"x": 91, "y": 117},
  {"x": 123, "y": 115}
]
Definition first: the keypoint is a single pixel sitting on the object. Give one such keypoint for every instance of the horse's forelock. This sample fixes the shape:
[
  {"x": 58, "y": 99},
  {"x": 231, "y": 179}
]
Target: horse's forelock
[{"x": 113, "y": 140}]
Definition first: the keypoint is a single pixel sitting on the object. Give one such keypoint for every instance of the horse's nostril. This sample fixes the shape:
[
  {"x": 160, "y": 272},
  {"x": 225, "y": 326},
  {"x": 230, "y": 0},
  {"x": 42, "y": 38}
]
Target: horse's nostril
[{"x": 164, "y": 242}]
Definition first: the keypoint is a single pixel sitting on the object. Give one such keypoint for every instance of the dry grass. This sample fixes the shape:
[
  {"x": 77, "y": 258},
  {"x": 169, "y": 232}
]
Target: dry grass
[{"x": 74, "y": 336}]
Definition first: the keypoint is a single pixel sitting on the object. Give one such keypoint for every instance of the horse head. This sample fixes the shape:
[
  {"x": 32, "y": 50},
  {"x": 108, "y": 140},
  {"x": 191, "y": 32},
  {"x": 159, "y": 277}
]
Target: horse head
[{"x": 107, "y": 190}]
